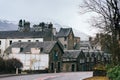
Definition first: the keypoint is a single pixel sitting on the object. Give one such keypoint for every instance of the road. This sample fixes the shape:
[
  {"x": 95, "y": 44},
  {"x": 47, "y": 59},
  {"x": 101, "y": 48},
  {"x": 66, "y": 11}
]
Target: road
[{"x": 52, "y": 76}]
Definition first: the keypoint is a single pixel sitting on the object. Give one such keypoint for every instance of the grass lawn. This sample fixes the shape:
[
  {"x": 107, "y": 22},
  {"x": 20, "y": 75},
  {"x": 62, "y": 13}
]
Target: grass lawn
[{"x": 97, "y": 78}]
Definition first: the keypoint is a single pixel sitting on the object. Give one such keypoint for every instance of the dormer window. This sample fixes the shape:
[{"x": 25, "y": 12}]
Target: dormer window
[
  {"x": 19, "y": 41},
  {"x": 29, "y": 40},
  {"x": 37, "y": 40}
]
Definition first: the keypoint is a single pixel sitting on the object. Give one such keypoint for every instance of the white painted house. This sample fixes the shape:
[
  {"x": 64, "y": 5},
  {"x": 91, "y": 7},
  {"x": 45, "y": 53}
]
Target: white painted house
[
  {"x": 37, "y": 55},
  {"x": 32, "y": 61},
  {"x": 9, "y": 37},
  {"x": 5, "y": 43}
]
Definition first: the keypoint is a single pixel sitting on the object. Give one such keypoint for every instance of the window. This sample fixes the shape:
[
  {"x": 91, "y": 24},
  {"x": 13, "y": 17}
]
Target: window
[
  {"x": 41, "y": 49},
  {"x": 19, "y": 41},
  {"x": 37, "y": 40},
  {"x": 99, "y": 57},
  {"x": 65, "y": 38},
  {"x": 73, "y": 67},
  {"x": 29, "y": 40},
  {"x": 95, "y": 60},
  {"x": 65, "y": 46},
  {"x": 55, "y": 56},
  {"x": 52, "y": 66},
  {"x": 92, "y": 59},
  {"x": 10, "y": 42},
  {"x": 0, "y": 42},
  {"x": 88, "y": 59},
  {"x": 0, "y": 51},
  {"x": 59, "y": 66},
  {"x": 82, "y": 60},
  {"x": 21, "y": 49},
  {"x": 71, "y": 36}
]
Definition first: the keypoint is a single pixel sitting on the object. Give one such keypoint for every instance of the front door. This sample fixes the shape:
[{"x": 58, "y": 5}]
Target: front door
[
  {"x": 73, "y": 67},
  {"x": 52, "y": 67},
  {"x": 59, "y": 67}
]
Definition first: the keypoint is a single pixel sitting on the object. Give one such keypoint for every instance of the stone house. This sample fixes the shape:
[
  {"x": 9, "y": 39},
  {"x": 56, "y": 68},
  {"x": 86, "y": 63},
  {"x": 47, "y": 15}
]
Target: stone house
[
  {"x": 91, "y": 58},
  {"x": 45, "y": 55},
  {"x": 78, "y": 60},
  {"x": 66, "y": 37},
  {"x": 71, "y": 60}
]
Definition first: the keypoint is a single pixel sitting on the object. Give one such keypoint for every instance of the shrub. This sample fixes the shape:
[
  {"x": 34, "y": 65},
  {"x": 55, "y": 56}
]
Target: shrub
[
  {"x": 114, "y": 73},
  {"x": 12, "y": 64},
  {"x": 2, "y": 64}
]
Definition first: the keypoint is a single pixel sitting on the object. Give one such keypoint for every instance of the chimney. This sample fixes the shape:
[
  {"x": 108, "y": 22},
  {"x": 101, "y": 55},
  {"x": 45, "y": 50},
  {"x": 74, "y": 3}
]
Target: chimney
[
  {"x": 90, "y": 39},
  {"x": 27, "y": 26}
]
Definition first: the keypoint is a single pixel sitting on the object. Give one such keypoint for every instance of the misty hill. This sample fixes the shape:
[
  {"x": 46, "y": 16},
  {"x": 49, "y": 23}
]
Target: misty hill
[{"x": 7, "y": 25}]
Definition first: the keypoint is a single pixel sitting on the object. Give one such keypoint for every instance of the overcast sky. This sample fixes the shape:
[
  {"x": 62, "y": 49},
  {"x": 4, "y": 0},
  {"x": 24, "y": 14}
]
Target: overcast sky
[{"x": 64, "y": 12}]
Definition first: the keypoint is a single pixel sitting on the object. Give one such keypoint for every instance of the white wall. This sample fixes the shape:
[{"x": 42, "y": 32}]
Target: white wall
[
  {"x": 15, "y": 50},
  {"x": 5, "y": 43},
  {"x": 32, "y": 61},
  {"x": 35, "y": 50}
]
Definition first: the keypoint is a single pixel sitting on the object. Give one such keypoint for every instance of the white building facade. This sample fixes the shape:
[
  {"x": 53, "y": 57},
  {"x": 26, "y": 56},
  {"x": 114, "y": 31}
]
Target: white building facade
[
  {"x": 5, "y": 43},
  {"x": 32, "y": 61},
  {"x": 9, "y": 37}
]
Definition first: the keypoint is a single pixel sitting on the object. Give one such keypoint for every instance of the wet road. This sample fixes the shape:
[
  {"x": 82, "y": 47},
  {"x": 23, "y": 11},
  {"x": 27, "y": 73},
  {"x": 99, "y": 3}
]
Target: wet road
[{"x": 52, "y": 76}]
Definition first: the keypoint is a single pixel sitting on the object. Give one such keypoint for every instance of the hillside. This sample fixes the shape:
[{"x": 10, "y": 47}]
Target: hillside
[{"x": 7, "y": 25}]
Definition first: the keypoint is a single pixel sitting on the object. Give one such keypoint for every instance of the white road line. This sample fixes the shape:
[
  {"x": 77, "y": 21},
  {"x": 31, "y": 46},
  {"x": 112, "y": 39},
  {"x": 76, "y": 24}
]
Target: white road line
[{"x": 46, "y": 77}]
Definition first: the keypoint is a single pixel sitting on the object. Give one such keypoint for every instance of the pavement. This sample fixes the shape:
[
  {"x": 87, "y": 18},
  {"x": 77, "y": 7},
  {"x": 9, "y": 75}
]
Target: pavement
[{"x": 7, "y": 75}]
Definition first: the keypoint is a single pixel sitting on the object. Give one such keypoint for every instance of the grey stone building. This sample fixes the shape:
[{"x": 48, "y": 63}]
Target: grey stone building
[
  {"x": 78, "y": 60},
  {"x": 71, "y": 60},
  {"x": 66, "y": 37}
]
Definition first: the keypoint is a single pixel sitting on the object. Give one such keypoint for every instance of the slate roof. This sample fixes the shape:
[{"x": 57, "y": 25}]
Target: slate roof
[
  {"x": 85, "y": 44},
  {"x": 46, "y": 46},
  {"x": 91, "y": 53},
  {"x": 64, "y": 32},
  {"x": 30, "y": 34},
  {"x": 71, "y": 54}
]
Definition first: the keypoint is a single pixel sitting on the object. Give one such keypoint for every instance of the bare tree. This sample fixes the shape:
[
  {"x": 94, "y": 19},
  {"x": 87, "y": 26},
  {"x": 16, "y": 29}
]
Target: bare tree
[{"x": 108, "y": 12}]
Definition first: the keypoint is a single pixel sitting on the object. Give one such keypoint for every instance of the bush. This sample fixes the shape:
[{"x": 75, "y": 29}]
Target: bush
[
  {"x": 2, "y": 65},
  {"x": 9, "y": 65},
  {"x": 12, "y": 64},
  {"x": 114, "y": 73}
]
